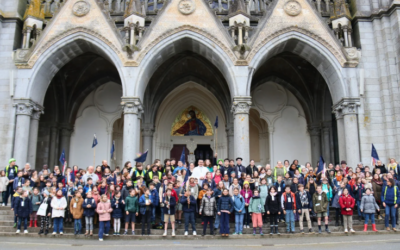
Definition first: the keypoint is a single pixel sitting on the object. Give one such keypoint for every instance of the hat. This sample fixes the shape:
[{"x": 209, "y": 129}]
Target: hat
[
  {"x": 46, "y": 192},
  {"x": 239, "y": 158},
  {"x": 246, "y": 182},
  {"x": 220, "y": 160},
  {"x": 343, "y": 162},
  {"x": 11, "y": 160}
]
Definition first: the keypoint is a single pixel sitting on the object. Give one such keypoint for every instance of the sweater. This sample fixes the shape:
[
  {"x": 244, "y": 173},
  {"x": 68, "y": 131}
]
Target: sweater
[
  {"x": 246, "y": 194},
  {"x": 132, "y": 204},
  {"x": 75, "y": 207},
  {"x": 368, "y": 204},
  {"x": 3, "y": 183},
  {"x": 103, "y": 211},
  {"x": 58, "y": 203},
  {"x": 35, "y": 199},
  {"x": 89, "y": 211}
]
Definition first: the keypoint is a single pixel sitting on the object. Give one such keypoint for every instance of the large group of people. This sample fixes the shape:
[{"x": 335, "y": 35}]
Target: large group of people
[{"x": 217, "y": 191}]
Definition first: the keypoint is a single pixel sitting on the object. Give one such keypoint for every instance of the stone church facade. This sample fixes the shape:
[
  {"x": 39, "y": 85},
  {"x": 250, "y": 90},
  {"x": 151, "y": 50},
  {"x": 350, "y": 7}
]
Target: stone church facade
[{"x": 288, "y": 79}]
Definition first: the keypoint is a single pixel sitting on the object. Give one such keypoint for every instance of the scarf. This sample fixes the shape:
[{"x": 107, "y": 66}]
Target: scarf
[
  {"x": 304, "y": 198},
  {"x": 377, "y": 182},
  {"x": 273, "y": 194},
  {"x": 59, "y": 196},
  {"x": 339, "y": 178}
]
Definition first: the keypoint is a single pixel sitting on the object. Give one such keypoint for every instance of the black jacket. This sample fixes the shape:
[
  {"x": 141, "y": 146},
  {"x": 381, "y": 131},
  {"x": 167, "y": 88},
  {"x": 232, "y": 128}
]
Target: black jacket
[
  {"x": 299, "y": 205},
  {"x": 250, "y": 170},
  {"x": 273, "y": 206}
]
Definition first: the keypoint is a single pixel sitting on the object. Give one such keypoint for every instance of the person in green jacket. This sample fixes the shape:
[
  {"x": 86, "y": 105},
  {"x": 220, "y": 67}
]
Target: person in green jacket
[
  {"x": 131, "y": 210},
  {"x": 257, "y": 210},
  {"x": 321, "y": 203}
]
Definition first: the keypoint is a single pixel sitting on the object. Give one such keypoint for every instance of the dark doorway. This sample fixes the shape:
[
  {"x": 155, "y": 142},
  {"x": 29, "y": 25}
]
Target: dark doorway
[
  {"x": 203, "y": 152},
  {"x": 176, "y": 152}
]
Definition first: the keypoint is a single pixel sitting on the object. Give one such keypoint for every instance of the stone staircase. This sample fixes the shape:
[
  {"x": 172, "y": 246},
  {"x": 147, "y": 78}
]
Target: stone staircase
[{"x": 7, "y": 230}]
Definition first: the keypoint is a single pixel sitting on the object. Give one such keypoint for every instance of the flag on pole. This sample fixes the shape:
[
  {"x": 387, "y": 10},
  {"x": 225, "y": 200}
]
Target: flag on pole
[
  {"x": 63, "y": 161},
  {"x": 183, "y": 157},
  {"x": 321, "y": 166},
  {"x": 142, "y": 157},
  {"x": 374, "y": 156},
  {"x": 94, "y": 141},
  {"x": 113, "y": 151},
  {"x": 216, "y": 122}
]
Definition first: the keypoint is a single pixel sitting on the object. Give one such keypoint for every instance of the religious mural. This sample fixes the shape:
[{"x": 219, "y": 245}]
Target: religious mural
[{"x": 191, "y": 121}]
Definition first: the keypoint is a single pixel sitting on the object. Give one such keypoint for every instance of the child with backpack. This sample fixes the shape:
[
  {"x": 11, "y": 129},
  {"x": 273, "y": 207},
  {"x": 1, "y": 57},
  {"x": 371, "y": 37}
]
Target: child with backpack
[
  {"x": 169, "y": 202},
  {"x": 104, "y": 210},
  {"x": 368, "y": 206},
  {"x": 76, "y": 210},
  {"x": 131, "y": 210},
  {"x": 36, "y": 199},
  {"x": 46, "y": 214},
  {"x": 208, "y": 209},
  {"x": 118, "y": 205},
  {"x": 23, "y": 208},
  {"x": 257, "y": 210},
  {"x": 89, "y": 207}
]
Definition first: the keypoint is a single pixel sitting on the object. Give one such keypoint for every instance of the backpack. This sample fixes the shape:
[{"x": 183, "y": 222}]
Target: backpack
[{"x": 92, "y": 201}]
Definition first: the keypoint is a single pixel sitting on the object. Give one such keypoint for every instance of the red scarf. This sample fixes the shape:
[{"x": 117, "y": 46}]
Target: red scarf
[{"x": 59, "y": 197}]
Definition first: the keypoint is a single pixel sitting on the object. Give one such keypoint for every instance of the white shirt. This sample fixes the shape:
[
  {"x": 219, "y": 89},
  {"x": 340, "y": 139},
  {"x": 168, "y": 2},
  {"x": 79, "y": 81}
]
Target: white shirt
[
  {"x": 94, "y": 177},
  {"x": 200, "y": 172}
]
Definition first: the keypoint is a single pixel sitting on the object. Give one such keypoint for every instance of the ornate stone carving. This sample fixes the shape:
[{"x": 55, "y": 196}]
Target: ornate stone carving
[
  {"x": 132, "y": 106},
  {"x": 347, "y": 106},
  {"x": 292, "y": 8},
  {"x": 314, "y": 130},
  {"x": 37, "y": 111},
  {"x": 186, "y": 7},
  {"x": 24, "y": 109},
  {"x": 81, "y": 8},
  {"x": 148, "y": 131},
  {"x": 230, "y": 131},
  {"x": 241, "y": 105}
]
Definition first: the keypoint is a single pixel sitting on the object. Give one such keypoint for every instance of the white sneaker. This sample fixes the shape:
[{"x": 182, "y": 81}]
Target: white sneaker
[
  {"x": 61, "y": 233},
  {"x": 165, "y": 234},
  {"x": 54, "y": 233},
  {"x": 173, "y": 233},
  {"x": 194, "y": 233},
  {"x": 345, "y": 231},
  {"x": 3, "y": 205},
  {"x": 25, "y": 231},
  {"x": 105, "y": 234},
  {"x": 100, "y": 239},
  {"x": 186, "y": 233},
  {"x": 352, "y": 231},
  {"x": 18, "y": 231}
]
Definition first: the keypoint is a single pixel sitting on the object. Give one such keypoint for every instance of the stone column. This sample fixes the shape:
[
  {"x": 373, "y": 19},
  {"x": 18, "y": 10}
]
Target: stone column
[
  {"x": 65, "y": 141},
  {"x": 138, "y": 142},
  {"x": 315, "y": 134},
  {"x": 326, "y": 142},
  {"x": 231, "y": 142},
  {"x": 132, "y": 107},
  {"x": 271, "y": 146},
  {"x": 347, "y": 109},
  {"x": 33, "y": 135},
  {"x": 147, "y": 135},
  {"x": 240, "y": 109},
  {"x": 23, "y": 121},
  {"x": 53, "y": 146}
]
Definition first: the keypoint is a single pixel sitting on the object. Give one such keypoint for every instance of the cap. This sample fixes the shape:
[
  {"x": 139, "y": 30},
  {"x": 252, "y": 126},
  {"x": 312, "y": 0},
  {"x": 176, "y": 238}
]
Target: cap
[{"x": 11, "y": 160}]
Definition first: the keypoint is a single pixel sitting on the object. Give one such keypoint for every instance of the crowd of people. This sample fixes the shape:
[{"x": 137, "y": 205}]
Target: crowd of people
[{"x": 217, "y": 191}]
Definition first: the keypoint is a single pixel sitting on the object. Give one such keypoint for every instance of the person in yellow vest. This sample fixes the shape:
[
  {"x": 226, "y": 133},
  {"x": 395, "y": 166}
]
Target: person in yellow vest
[
  {"x": 11, "y": 172},
  {"x": 154, "y": 172},
  {"x": 279, "y": 170},
  {"x": 138, "y": 173}
]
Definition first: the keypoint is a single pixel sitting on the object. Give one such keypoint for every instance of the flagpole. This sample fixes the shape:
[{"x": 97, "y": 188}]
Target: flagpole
[
  {"x": 94, "y": 157},
  {"x": 216, "y": 142}
]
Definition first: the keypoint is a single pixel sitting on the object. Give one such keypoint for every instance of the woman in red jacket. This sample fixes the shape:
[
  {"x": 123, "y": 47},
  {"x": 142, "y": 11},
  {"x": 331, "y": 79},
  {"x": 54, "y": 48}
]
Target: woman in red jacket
[{"x": 347, "y": 204}]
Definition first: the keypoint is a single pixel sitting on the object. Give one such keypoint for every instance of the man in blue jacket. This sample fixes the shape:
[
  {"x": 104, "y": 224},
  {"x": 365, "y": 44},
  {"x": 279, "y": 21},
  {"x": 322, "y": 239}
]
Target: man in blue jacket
[{"x": 189, "y": 209}]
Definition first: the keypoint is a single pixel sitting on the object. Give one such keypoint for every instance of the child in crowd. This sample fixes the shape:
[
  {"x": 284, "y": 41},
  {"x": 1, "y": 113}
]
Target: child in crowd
[
  {"x": 289, "y": 209},
  {"x": 247, "y": 194},
  {"x": 104, "y": 210},
  {"x": 257, "y": 210},
  {"x": 347, "y": 204},
  {"x": 303, "y": 204},
  {"x": 59, "y": 204},
  {"x": 23, "y": 208},
  {"x": 208, "y": 209},
  {"x": 320, "y": 202},
  {"x": 368, "y": 206},
  {"x": 118, "y": 205},
  {"x": 131, "y": 210},
  {"x": 154, "y": 195},
  {"x": 189, "y": 208},
  {"x": 225, "y": 208},
  {"x": 45, "y": 218},
  {"x": 36, "y": 199},
  {"x": 76, "y": 209},
  {"x": 273, "y": 207},
  {"x": 17, "y": 194},
  {"x": 3, "y": 186},
  {"x": 239, "y": 204},
  {"x": 89, "y": 207},
  {"x": 145, "y": 203},
  {"x": 169, "y": 203}
]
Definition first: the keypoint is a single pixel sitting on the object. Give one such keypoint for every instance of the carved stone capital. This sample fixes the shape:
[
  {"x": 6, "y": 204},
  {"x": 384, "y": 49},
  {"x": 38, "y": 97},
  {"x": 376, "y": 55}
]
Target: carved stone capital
[
  {"x": 24, "y": 109},
  {"x": 132, "y": 105},
  {"x": 148, "y": 131},
  {"x": 230, "y": 131},
  {"x": 314, "y": 130},
  {"x": 37, "y": 111},
  {"x": 27, "y": 107},
  {"x": 66, "y": 130},
  {"x": 346, "y": 106},
  {"x": 241, "y": 105}
]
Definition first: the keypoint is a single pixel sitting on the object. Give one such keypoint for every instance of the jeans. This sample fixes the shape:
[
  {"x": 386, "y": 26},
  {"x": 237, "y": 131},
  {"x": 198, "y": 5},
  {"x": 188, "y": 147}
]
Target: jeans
[
  {"x": 153, "y": 214},
  {"x": 246, "y": 220},
  {"x": 162, "y": 215},
  {"x": 104, "y": 227},
  {"x": 216, "y": 223},
  {"x": 58, "y": 225},
  {"x": 89, "y": 223},
  {"x": 360, "y": 214},
  {"x": 189, "y": 218},
  {"x": 20, "y": 219},
  {"x": 369, "y": 216},
  {"x": 224, "y": 227},
  {"x": 9, "y": 192},
  {"x": 3, "y": 196},
  {"x": 289, "y": 218},
  {"x": 390, "y": 210},
  {"x": 206, "y": 220},
  {"x": 239, "y": 222},
  {"x": 77, "y": 225}
]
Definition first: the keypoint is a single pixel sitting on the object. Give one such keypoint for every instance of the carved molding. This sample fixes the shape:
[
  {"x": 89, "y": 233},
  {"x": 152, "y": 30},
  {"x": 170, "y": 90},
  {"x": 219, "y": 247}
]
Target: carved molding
[
  {"x": 132, "y": 105},
  {"x": 346, "y": 106},
  {"x": 81, "y": 8},
  {"x": 148, "y": 132},
  {"x": 28, "y": 107},
  {"x": 24, "y": 109},
  {"x": 186, "y": 7},
  {"x": 241, "y": 105},
  {"x": 37, "y": 111},
  {"x": 339, "y": 56},
  {"x": 292, "y": 8}
]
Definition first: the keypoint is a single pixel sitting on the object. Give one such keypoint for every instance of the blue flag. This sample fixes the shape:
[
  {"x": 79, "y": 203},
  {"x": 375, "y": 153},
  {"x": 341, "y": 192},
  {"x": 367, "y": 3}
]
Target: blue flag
[
  {"x": 216, "y": 122},
  {"x": 321, "y": 165},
  {"x": 94, "y": 141},
  {"x": 112, "y": 149},
  {"x": 374, "y": 156},
  {"x": 62, "y": 157},
  {"x": 142, "y": 157},
  {"x": 183, "y": 158}
]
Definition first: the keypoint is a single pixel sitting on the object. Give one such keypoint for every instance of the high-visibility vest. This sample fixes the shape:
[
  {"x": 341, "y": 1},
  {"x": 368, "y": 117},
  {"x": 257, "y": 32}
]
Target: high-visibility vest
[
  {"x": 15, "y": 169},
  {"x": 142, "y": 174},
  {"x": 151, "y": 175},
  {"x": 395, "y": 194}
]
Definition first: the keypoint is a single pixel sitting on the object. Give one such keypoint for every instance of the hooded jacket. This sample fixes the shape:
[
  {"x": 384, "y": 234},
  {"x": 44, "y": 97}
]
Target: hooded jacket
[
  {"x": 208, "y": 206},
  {"x": 256, "y": 205},
  {"x": 368, "y": 204},
  {"x": 346, "y": 201}
]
